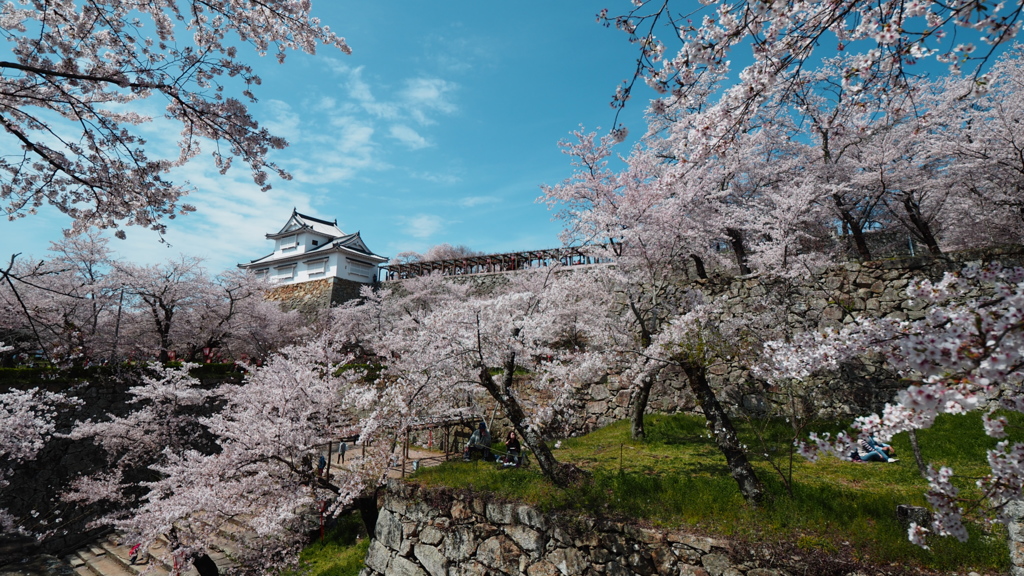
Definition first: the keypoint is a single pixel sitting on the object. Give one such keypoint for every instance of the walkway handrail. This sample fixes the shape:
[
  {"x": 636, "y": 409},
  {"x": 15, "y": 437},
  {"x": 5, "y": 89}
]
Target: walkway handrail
[{"x": 493, "y": 263}]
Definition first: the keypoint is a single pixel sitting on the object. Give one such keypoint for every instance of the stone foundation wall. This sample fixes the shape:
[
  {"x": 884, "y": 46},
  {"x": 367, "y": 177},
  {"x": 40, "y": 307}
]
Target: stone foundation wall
[
  {"x": 1015, "y": 511},
  {"x": 315, "y": 295},
  {"x": 422, "y": 531}
]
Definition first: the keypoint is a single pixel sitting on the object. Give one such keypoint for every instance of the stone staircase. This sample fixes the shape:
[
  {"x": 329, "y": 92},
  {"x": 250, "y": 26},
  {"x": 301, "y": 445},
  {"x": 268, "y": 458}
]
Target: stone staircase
[{"x": 109, "y": 556}]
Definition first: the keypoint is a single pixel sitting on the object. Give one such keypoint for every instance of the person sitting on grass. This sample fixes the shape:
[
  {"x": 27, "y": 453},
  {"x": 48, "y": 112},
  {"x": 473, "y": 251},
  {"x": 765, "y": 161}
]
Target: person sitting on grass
[
  {"x": 513, "y": 450},
  {"x": 479, "y": 443},
  {"x": 871, "y": 450}
]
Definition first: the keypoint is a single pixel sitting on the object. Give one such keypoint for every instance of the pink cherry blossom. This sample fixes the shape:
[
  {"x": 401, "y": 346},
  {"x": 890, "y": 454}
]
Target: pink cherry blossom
[{"x": 75, "y": 69}]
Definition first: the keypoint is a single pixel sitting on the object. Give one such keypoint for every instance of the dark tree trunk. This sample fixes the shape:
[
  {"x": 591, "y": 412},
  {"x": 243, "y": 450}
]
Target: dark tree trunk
[
  {"x": 916, "y": 449},
  {"x": 643, "y": 393},
  {"x": 162, "y": 316},
  {"x": 698, "y": 263},
  {"x": 855, "y": 229},
  {"x": 725, "y": 434},
  {"x": 921, "y": 226},
  {"x": 739, "y": 249},
  {"x": 502, "y": 394}
]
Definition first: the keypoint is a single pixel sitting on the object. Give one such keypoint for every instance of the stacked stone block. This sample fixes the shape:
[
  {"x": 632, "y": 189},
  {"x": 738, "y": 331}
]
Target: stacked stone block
[
  {"x": 314, "y": 296},
  {"x": 429, "y": 532}
]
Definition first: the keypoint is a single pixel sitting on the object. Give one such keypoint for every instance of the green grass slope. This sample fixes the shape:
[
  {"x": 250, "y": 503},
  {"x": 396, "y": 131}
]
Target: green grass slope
[{"x": 677, "y": 478}]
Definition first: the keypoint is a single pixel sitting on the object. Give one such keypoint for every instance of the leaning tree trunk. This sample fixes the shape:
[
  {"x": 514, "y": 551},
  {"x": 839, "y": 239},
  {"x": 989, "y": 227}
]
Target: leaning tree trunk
[
  {"x": 923, "y": 229},
  {"x": 851, "y": 224},
  {"x": 724, "y": 433},
  {"x": 502, "y": 394}
]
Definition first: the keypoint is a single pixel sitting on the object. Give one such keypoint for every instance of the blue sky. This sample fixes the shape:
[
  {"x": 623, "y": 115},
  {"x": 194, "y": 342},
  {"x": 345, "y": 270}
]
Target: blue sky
[{"x": 440, "y": 127}]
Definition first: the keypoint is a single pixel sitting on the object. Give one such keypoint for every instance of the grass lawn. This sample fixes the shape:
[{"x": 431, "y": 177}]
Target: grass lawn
[
  {"x": 678, "y": 478},
  {"x": 341, "y": 553}
]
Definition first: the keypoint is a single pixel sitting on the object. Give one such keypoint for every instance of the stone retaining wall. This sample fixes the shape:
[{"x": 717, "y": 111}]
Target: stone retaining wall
[
  {"x": 827, "y": 299},
  {"x": 425, "y": 531}
]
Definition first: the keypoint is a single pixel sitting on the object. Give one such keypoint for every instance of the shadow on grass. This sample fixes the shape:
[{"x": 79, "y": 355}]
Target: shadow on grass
[{"x": 340, "y": 553}]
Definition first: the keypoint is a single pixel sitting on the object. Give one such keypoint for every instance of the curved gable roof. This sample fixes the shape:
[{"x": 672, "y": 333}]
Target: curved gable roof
[{"x": 302, "y": 222}]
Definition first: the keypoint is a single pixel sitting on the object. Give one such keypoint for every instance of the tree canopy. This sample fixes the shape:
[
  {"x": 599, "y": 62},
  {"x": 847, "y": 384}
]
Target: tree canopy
[{"x": 76, "y": 74}]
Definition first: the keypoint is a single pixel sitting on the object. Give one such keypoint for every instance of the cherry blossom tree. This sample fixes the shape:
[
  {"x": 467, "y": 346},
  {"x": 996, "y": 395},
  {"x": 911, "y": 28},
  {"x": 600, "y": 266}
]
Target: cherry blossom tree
[
  {"x": 627, "y": 216},
  {"x": 693, "y": 341},
  {"x": 250, "y": 326},
  {"x": 438, "y": 340},
  {"x": 81, "y": 306},
  {"x": 28, "y": 419},
  {"x": 159, "y": 296},
  {"x": 984, "y": 141},
  {"x": 442, "y": 251},
  {"x": 886, "y": 38},
  {"x": 177, "y": 307},
  {"x": 899, "y": 168},
  {"x": 666, "y": 215},
  {"x": 965, "y": 355},
  {"x": 67, "y": 303},
  {"x": 163, "y": 419},
  {"x": 75, "y": 71},
  {"x": 229, "y": 317},
  {"x": 839, "y": 123},
  {"x": 255, "y": 477}
]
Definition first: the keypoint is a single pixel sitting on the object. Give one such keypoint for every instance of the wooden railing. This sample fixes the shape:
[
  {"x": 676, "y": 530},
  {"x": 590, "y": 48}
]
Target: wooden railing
[{"x": 490, "y": 264}]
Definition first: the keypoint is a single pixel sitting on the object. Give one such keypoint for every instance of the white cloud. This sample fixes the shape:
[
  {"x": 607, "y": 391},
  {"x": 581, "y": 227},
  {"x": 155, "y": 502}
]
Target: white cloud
[
  {"x": 438, "y": 178},
  {"x": 423, "y": 225},
  {"x": 430, "y": 93},
  {"x": 338, "y": 154},
  {"x": 409, "y": 137},
  {"x": 281, "y": 120},
  {"x": 360, "y": 90},
  {"x": 229, "y": 226},
  {"x": 326, "y": 103},
  {"x": 471, "y": 201},
  {"x": 337, "y": 139},
  {"x": 336, "y": 65},
  {"x": 424, "y": 96}
]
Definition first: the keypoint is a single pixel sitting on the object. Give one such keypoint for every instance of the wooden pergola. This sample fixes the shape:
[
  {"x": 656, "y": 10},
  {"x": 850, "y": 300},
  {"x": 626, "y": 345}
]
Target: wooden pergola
[
  {"x": 452, "y": 428},
  {"x": 490, "y": 264}
]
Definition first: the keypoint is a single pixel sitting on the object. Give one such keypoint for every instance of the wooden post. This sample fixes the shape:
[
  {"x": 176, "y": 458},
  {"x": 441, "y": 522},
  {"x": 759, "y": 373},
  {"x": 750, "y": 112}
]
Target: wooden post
[
  {"x": 329, "y": 444},
  {"x": 405, "y": 453}
]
